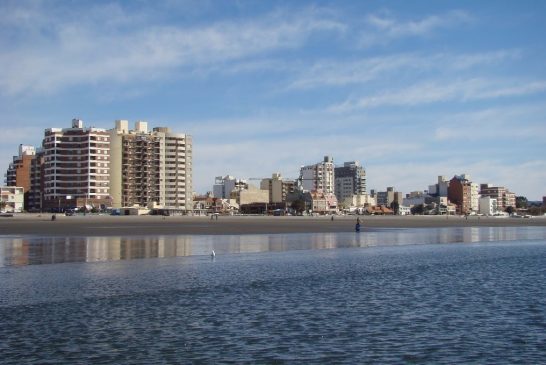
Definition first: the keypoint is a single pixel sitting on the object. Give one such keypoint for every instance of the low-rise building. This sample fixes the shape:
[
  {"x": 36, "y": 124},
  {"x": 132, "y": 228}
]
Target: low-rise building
[
  {"x": 251, "y": 195},
  {"x": 488, "y": 205},
  {"x": 504, "y": 197},
  {"x": 12, "y": 199},
  {"x": 358, "y": 201}
]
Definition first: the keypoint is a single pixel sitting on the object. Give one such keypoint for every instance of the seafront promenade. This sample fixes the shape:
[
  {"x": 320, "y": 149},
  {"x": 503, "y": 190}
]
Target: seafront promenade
[{"x": 103, "y": 225}]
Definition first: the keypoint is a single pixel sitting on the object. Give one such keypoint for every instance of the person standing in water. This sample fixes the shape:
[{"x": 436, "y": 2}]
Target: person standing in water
[{"x": 357, "y": 226}]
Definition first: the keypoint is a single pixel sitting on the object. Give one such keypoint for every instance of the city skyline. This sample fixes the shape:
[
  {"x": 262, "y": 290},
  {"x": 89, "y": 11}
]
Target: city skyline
[{"x": 412, "y": 91}]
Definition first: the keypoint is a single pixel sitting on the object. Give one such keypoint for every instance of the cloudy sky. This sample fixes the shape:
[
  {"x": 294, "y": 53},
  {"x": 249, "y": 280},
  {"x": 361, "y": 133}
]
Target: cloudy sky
[{"x": 413, "y": 90}]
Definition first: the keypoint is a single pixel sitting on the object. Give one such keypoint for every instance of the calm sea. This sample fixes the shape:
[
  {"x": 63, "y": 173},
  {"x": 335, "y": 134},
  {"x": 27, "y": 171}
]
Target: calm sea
[{"x": 438, "y": 296}]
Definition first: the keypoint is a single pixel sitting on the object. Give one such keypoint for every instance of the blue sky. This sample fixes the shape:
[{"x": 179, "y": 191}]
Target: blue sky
[{"x": 413, "y": 90}]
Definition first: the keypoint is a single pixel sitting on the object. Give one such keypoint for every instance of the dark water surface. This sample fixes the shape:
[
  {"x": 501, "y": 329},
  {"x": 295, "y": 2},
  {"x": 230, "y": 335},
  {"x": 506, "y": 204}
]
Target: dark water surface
[{"x": 379, "y": 300}]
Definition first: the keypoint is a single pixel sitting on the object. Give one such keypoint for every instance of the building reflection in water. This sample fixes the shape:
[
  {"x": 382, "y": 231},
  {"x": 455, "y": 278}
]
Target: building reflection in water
[{"x": 17, "y": 251}]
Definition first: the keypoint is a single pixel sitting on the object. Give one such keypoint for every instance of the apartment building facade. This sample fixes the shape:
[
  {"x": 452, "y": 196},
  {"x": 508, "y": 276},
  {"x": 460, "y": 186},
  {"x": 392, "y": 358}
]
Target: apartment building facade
[
  {"x": 12, "y": 199},
  {"x": 150, "y": 168},
  {"x": 460, "y": 193},
  {"x": 319, "y": 177},
  {"x": 76, "y": 166},
  {"x": 19, "y": 171},
  {"x": 278, "y": 188},
  {"x": 504, "y": 197},
  {"x": 350, "y": 180}
]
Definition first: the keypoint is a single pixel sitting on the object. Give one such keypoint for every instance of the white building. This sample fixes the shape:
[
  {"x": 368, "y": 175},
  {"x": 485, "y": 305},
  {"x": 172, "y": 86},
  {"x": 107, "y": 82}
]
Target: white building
[
  {"x": 488, "y": 205},
  {"x": 411, "y": 201},
  {"x": 224, "y": 186},
  {"x": 12, "y": 198},
  {"x": 474, "y": 197},
  {"x": 404, "y": 210},
  {"x": 319, "y": 177}
]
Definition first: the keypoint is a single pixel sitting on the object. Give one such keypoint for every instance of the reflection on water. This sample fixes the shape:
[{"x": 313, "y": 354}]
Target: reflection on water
[{"x": 16, "y": 251}]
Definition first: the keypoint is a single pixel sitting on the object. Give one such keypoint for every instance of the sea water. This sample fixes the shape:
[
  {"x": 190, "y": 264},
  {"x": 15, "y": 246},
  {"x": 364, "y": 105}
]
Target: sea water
[{"x": 450, "y": 295}]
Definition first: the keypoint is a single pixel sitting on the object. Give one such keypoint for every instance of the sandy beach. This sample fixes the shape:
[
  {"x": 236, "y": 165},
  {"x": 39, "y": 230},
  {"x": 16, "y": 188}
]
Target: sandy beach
[{"x": 103, "y": 225}]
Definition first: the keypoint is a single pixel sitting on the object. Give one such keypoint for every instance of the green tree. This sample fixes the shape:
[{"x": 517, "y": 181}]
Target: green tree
[
  {"x": 418, "y": 209},
  {"x": 298, "y": 205},
  {"x": 395, "y": 207},
  {"x": 510, "y": 210},
  {"x": 521, "y": 202},
  {"x": 2, "y": 205}
]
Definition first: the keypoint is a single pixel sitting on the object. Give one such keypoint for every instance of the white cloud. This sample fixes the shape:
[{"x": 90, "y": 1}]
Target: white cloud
[
  {"x": 123, "y": 48},
  {"x": 436, "y": 91},
  {"x": 521, "y": 122},
  {"x": 339, "y": 73},
  {"x": 385, "y": 28}
]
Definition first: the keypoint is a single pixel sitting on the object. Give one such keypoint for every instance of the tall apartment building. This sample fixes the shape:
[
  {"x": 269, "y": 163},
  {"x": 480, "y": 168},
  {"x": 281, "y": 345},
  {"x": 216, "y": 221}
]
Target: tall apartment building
[
  {"x": 278, "y": 188},
  {"x": 150, "y": 167},
  {"x": 504, "y": 197},
  {"x": 460, "y": 193},
  {"x": 319, "y": 176},
  {"x": 350, "y": 180},
  {"x": 34, "y": 198},
  {"x": 76, "y": 166}
]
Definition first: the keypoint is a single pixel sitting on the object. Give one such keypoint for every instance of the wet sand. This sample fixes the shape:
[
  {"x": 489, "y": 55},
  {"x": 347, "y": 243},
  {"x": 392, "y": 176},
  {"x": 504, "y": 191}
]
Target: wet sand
[{"x": 95, "y": 225}]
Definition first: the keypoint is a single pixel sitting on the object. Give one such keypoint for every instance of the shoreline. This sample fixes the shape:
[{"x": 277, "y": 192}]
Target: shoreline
[{"x": 104, "y": 225}]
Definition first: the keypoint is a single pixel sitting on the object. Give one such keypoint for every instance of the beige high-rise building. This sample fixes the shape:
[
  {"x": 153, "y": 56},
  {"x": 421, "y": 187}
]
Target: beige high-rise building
[
  {"x": 278, "y": 187},
  {"x": 76, "y": 166},
  {"x": 150, "y": 168}
]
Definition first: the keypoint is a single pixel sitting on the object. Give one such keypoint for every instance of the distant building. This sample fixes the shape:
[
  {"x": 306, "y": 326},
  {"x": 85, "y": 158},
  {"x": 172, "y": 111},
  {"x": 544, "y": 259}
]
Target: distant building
[
  {"x": 12, "y": 198},
  {"x": 321, "y": 202},
  {"x": 319, "y": 176},
  {"x": 440, "y": 188},
  {"x": 388, "y": 197},
  {"x": 358, "y": 201},
  {"x": 224, "y": 186},
  {"x": 488, "y": 205},
  {"x": 474, "y": 197},
  {"x": 250, "y": 195},
  {"x": 150, "y": 168},
  {"x": 19, "y": 173},
  {"x": 504, "y": 197},
  {"x": 350, "y": 180},
  {"x": 278, "y": 188},
  {"x": 76, "y": 166},
  {"x": 414, "y": 198},
  {"x": 460, "y": 193}
]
